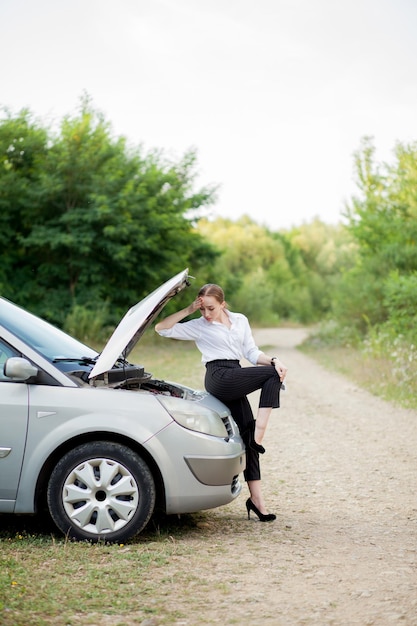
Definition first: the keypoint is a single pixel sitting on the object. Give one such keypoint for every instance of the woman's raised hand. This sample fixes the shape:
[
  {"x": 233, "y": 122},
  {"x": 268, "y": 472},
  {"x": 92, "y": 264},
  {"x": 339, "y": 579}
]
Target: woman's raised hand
[{"x": 194, "y": 306}]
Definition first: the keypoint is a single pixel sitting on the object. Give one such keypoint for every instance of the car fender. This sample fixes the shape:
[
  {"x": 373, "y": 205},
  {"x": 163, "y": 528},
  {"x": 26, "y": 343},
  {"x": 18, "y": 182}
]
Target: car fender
[{"x": 125, "y": 415}]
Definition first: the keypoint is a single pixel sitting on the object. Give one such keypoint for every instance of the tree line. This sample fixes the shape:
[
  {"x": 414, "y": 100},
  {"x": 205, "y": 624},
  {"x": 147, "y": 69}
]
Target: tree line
[{"x": 90, "y": 224}]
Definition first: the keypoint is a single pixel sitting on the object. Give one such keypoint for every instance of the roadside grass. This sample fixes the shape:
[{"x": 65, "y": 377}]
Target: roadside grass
[
  {"x": 156, "y": 578},
  {"x": 48, "y": 580},
  {"x": 386, "y": 369},
  {"x": 161, "y": 577},
  {"x": 169, "y": 359}
]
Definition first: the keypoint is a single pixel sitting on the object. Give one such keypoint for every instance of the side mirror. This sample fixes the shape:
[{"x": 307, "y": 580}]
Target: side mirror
[{"x": 17, "y": 368}]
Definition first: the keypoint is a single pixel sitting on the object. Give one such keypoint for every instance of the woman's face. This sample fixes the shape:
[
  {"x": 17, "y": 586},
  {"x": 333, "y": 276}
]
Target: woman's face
[{"x": 211, "y": 309}]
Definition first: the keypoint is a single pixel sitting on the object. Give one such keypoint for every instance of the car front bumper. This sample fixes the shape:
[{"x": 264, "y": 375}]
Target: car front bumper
[{"x": 202, "y": 472}]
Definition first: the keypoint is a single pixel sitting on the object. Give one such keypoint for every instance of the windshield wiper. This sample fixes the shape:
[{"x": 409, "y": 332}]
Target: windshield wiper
[{"x": 82, "y": 359}]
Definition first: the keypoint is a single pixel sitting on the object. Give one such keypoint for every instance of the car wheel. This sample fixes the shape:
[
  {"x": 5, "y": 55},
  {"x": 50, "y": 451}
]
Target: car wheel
[{"x": 101, "y": 490}]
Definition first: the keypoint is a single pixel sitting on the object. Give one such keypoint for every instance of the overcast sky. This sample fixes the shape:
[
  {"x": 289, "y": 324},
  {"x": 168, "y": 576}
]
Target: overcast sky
[{"x": 275, "y": 95}]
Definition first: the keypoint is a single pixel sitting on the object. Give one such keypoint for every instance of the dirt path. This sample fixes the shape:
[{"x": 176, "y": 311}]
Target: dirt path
[
  {"x": 348, "y": 462},
  {"x": 340, "y": 471}
]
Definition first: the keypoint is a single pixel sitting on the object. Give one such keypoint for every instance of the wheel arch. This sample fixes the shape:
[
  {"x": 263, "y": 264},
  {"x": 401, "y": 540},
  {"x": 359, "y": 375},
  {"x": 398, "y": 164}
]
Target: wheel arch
[{"x": 40, "y": 503}]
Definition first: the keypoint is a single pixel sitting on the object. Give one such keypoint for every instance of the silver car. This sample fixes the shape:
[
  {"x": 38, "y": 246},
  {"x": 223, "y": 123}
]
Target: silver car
[{"x": 99, "y": 441}]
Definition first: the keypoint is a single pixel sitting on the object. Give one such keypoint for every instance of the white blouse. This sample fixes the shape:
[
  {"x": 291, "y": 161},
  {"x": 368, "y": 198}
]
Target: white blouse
[{"x": 217, "y": 341}]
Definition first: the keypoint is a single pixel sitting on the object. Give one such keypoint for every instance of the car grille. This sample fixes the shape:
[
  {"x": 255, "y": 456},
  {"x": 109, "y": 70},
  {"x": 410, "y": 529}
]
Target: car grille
[{"x": 228, "y": 425}]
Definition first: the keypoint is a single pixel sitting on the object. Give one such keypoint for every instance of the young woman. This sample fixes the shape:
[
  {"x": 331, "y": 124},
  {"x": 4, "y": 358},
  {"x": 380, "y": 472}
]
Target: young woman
[{"x": 223, "y": 338}]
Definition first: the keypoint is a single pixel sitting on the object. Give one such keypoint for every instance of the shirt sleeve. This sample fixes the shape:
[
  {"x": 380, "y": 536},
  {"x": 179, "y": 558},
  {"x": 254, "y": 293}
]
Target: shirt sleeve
[
  {"x": 185, "y": 331},
  {"x": 250, "y": 350}
]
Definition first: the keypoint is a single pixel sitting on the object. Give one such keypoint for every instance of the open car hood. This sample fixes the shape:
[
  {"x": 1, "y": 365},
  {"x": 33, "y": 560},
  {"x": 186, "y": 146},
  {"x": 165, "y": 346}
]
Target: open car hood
[{"x": 136, "y": 321}]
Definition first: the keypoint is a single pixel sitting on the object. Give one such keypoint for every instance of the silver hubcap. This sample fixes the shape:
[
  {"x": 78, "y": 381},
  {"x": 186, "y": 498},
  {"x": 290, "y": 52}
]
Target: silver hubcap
[{"x": 100, "y": 496}]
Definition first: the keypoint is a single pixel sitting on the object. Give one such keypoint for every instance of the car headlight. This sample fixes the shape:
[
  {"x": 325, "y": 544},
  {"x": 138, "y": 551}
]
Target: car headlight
[{"x": 194, "y": 416}]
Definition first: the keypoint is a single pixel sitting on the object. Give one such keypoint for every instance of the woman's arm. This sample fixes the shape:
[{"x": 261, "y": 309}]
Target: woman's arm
[
  {"x": 264, "y": 359},
  {"x": 250, "y": 349},
  {"x": 173, "y": 319}
]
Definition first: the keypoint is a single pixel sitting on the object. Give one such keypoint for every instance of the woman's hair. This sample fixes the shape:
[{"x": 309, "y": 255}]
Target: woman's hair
[{"x": 212, "y": 290}]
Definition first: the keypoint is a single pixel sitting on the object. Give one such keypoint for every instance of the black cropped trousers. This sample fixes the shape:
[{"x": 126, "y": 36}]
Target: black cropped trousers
[{"x": 230, "y": 383}]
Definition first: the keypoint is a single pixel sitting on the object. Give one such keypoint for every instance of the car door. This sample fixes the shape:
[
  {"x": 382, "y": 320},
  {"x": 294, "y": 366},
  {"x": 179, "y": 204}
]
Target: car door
[{"x": 14, "y": 401}]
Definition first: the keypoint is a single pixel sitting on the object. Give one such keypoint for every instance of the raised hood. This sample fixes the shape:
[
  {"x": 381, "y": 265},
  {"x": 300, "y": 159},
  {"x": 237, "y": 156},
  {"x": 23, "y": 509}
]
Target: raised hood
[{"x": 136, "y": 321}]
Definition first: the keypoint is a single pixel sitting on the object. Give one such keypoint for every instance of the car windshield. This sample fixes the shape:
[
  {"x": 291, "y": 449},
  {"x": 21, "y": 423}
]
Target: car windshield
[{"x": 46, "y": 339}]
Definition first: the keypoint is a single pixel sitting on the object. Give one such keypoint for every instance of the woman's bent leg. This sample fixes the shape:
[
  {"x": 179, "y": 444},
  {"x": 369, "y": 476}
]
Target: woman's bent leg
[{"x": 230, "y": 382}]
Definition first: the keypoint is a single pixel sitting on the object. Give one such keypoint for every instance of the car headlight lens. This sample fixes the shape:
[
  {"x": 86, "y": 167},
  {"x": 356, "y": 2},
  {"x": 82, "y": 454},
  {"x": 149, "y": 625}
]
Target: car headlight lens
[{"x": 194, "y": 416}]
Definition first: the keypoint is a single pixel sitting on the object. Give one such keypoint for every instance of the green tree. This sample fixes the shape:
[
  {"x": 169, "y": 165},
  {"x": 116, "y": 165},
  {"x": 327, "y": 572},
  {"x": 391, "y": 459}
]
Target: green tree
[
  {"x": 23, "y": 146},
  {"x": 383, "y": 222},
  {"x": 101, "y": 222},
  {"x": 273, "y": 276},
  {"x": 325, "y": 251}
]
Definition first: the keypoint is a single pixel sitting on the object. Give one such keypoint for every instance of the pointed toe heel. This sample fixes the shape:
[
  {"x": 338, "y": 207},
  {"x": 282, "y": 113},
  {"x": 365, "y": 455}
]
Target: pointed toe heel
[
  {"x": 257, "y": 447},
  {"x": 263, "y": 517}
]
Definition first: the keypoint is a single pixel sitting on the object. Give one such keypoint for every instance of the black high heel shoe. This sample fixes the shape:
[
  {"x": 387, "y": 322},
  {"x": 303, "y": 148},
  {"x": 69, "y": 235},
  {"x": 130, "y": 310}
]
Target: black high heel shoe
[
  {"x": 257, "y": 447},
  {"x": 268, "y": 517},
  {"x": 252, "y": 443}
]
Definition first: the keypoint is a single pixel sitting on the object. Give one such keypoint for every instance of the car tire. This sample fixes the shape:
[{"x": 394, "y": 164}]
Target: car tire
[{"x": 101, "y": 491}]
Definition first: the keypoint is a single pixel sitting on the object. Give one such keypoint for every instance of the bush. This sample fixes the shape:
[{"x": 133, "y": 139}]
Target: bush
[
  {"x": 88, "y": 325},
  {"x": 400, "y": 300},
  {"x": 399, "y": 354}
]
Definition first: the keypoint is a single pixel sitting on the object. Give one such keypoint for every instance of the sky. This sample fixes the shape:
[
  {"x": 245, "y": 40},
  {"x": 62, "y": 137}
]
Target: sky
[{"x": 273, "y": 95}]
